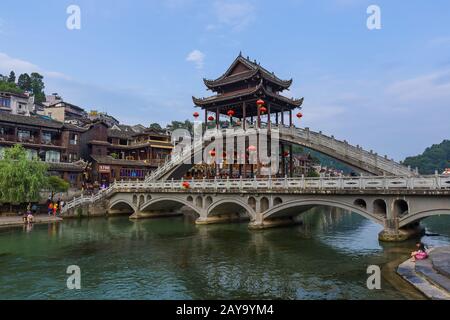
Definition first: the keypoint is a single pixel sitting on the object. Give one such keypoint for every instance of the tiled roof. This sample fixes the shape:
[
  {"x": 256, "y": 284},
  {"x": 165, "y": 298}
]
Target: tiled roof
[{"x": 30, "y": 120}]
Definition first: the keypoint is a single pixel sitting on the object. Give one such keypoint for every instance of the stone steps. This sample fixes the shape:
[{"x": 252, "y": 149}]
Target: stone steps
[{"x": 421, "y": 275}]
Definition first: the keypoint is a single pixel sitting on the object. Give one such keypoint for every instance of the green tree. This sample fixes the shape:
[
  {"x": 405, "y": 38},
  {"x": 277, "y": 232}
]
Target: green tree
[
  {"x": 21, "y": 178},
  {"x": 56, "y": 184},
  {"x": 9, "y": 87},
  {"x": 156, "y": 126},
  {"x": 436, "y": 157},
  {"x": 12, "y": 77},
  {"x": 181, "y": 125},
  {"x": 37, "y": 87},
  {"x": 24, "y": 82}
]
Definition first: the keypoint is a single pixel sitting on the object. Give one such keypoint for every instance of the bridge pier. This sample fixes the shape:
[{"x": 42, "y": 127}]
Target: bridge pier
[
  {"x": 153, "y": 214},
  {"x": 392, "y": 233},
  {"x": 274, "y": 223},
  {"x": 220, "y": 218}
]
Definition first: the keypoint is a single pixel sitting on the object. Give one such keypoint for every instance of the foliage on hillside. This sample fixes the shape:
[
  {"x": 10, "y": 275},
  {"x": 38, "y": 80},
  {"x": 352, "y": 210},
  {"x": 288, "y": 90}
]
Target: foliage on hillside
[{"x": 436, "y": 157}]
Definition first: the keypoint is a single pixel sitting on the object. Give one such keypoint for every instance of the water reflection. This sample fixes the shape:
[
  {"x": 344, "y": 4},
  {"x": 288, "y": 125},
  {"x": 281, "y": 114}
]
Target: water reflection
[{"x": 325, "y": 258}]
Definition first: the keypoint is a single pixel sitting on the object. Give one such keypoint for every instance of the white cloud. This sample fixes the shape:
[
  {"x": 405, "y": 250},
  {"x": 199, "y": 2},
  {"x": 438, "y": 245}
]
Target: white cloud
[
  {"x": 197, "y": 57},
  {"x": 440, "y": 41},
  {"x": 236, "y": 15},
  {"x": 8, "y": 63},
  {"x": 433, "y": 87}
]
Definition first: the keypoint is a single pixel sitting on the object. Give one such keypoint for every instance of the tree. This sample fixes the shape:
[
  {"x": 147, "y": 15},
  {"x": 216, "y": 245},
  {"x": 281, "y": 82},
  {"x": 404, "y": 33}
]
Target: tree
[
  {"x": 21, "y": 178},
  {"x": 24, "y": 82},
  {"x": 37, "y": 86},
  {"x": 181, "y": 125},
  {"x": 9, "y": 87},
  {"x": 156, "y": 126},
  {"x": 12, "y": 77},
  {"x": 56, "y": 184},
  {"x": 436, "y": 157}
]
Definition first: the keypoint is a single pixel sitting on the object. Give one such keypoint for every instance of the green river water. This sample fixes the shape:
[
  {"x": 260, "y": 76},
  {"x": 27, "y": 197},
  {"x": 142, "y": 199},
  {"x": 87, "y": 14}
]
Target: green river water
[{"x": 172, "y": 258}]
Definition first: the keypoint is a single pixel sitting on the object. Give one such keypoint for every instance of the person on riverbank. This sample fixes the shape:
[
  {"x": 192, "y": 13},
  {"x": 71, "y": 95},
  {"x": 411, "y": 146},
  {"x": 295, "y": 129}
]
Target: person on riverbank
[
  {"x": 50, "y": 208},
  {"x": 55, "y": 208},
  {"x": 30, "y": 218},
  {"x": 34, "y": 209},
  {"x": 58, "y": 206},
  {"x": 421, "y": 252}
]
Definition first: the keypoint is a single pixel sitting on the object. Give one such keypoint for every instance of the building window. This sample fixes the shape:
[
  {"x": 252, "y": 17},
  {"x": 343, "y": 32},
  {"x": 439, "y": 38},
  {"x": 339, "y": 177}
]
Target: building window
[
  {"x": 32, "y": 154},
  {"x": 46, "y": 137},
  {"x": 73, "y": 178},
  {"x": 23, "y": 135},
  {"x": 132, "y": 173},
  {"x": 73, "y": 157},
  {"x": 5, "y": 102},
  {"x": 52, "y": 156},
  {"x": 73, "y": 139}
]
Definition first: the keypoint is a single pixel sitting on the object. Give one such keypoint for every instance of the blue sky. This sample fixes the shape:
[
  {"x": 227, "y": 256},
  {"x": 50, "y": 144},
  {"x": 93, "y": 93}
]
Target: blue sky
[{"x": 141, "y": 61}]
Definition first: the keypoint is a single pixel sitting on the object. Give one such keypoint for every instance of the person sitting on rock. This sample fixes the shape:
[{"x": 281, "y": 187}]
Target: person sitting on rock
[{"x": 421, "y": 252}]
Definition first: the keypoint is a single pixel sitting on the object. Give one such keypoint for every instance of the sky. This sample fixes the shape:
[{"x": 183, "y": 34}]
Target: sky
[{"x": 385, "y": 89}]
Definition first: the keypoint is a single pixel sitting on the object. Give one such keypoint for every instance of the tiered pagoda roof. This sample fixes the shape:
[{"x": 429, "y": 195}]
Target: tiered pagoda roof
[
  {"x": 248, "y": 81},
  {"x": 243, "y": 69}
]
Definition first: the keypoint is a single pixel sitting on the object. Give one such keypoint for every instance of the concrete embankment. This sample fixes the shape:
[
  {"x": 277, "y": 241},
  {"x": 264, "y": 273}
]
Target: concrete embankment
[
  {"x": 10, "y": 221},
  {"x": 430, "y": 276}
]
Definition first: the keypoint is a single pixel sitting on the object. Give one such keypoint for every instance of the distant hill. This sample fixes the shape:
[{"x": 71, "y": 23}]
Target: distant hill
[{"x": 436, "y": 157}]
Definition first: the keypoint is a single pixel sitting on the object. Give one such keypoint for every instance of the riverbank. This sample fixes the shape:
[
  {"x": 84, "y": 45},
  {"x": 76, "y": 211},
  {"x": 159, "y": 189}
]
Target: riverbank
[
  {"x": 430, "y": 276},
  {"x": 14, "y": 221}
]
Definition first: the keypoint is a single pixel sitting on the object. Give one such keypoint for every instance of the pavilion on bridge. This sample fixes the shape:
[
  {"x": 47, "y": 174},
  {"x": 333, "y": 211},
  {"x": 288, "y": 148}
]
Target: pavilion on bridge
[{"x": 249, "y": 96}]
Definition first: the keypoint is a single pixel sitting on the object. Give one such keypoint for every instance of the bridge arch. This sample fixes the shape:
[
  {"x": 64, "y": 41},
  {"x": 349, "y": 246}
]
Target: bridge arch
[
  {"x": 168, "y": 204},
  {"x": 226, "y": 206},
  {"x": 277, "y": 201},
  {"x": 401, "y": 208},
  {"x": 291, "y": 208},
  {"x": 121, "y": 206},
  {"x": 415, "y": 217},
  {"x": 361, "y": 203},
  {"x": 380, "y": 207}
]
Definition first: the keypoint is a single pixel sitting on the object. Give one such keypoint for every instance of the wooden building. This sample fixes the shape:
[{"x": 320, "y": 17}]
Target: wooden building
[
  {"x": 56, "y": 143},
  {"x": 123, "y": 152}
]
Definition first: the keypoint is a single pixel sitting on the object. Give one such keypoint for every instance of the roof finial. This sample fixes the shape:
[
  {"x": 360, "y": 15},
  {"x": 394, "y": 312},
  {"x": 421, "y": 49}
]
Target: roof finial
[{"x": 240, "y": 53}]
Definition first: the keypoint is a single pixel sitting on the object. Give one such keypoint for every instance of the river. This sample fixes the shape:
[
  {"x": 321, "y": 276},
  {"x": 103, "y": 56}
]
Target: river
[{"x": 325, "y": 258}]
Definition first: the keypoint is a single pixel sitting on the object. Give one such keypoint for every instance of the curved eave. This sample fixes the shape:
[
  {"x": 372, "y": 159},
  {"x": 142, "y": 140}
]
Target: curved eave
[
  {"x": 208, "y": 101},
  {"x": 214, "y": 84}
]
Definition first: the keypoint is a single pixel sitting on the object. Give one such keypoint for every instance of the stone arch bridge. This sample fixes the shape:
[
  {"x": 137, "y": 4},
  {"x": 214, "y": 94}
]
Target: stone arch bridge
[{"x": 396, "y": 203}]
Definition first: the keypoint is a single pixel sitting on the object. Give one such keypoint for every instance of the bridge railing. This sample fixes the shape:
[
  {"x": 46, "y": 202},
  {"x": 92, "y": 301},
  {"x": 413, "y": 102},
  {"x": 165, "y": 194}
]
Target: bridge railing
[
  {"x": 337, "y": 183},
  {"x": 348, "y": 150}
]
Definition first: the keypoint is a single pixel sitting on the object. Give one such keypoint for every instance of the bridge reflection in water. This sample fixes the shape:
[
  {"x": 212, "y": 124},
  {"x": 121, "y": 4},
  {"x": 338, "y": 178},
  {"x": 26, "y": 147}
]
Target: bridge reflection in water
[{"x": 172, "y": 258}]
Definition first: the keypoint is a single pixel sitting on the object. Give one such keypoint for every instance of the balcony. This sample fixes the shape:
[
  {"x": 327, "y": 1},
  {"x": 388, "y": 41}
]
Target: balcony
[{"x": 8, "y": 138}]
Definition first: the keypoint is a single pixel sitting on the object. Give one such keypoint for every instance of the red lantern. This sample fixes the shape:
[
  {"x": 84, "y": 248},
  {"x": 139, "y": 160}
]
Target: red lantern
[
  {"x": 299, "y": 115},
  {"x": 252, "y": 148},
  {"x": 186, "y": 185},
  {"x": 260, "y": 102},
  {"x": 212, "y": 153},
  {"x": 210, "y": 118},
  {"x": 263, "y": 109},
  {"x": 195, "y": 114},
  {"x": 286, "y": 154},
  {"x": 230, "y": 113}
]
